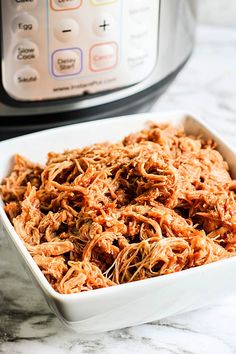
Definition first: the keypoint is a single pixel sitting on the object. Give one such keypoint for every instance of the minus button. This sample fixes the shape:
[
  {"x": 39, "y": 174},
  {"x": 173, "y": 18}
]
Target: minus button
[{"x": 67, "y": 30}]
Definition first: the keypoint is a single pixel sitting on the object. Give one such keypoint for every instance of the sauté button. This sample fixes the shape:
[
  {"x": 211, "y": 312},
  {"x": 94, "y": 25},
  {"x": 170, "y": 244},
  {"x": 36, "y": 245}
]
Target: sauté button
[
  {"x": 27, "y": 76},
  {"x": 103, "y": 56},
  {"x": 61, "y": 5},
  {"x": 67, "y": 30},
  {"x": 104, "y": 25},
  {"x": 25, "y": 25},
  {"x": 67, "y": 62},
  {"x": 26, "y": 51},
  {"x": 24, "y": 4}
]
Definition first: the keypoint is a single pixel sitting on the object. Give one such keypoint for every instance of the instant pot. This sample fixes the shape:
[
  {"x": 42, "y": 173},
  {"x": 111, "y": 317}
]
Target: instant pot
[{"x": 64, "y": 61}]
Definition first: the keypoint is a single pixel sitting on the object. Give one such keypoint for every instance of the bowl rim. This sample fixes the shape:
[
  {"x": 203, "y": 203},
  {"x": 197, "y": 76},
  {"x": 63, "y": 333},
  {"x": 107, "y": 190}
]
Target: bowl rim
[{"x": 84, "y": 296}]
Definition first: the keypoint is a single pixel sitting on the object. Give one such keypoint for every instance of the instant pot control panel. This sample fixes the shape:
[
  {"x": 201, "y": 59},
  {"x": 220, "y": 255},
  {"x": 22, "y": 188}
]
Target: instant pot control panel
[{"x": 62, "y": 48}]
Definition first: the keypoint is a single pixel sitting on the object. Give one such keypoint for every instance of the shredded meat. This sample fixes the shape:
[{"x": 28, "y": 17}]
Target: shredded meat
[{"x": 158, "y": 202}]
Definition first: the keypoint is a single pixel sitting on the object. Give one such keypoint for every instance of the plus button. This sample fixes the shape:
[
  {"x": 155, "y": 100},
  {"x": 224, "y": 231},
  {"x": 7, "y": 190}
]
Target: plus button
[{"x": 104, "y": 25}]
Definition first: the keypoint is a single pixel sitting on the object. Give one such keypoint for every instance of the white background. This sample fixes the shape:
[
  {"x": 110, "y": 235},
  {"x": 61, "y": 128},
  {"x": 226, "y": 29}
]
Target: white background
[{"x": 217, "y": 12}]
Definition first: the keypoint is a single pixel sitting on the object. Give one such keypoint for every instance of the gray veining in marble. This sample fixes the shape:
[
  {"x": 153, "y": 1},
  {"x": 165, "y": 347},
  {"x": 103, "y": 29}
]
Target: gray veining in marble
[{"x": 206, "y": 86}]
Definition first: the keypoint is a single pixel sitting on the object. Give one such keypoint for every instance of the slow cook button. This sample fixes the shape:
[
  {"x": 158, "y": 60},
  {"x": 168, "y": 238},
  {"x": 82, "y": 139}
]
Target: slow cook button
[
  {"x": 27, "y": 76},
  {"x": 67, "y": 62},
  {"x": 24, "y": 4},
  {"x": 26, "y": 51},
  {"x": 103, "y": 56},
  {"x": 25, "y": 24},
  {"x": 60, "y": 5}
]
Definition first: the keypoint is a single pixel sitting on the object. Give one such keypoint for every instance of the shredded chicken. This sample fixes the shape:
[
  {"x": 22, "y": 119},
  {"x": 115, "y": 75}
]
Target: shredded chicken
[{"x": 158, "y": 202}]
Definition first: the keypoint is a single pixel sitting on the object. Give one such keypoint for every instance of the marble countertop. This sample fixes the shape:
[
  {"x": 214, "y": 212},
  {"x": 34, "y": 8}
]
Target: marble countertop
[{"x": 207, "y": 86}]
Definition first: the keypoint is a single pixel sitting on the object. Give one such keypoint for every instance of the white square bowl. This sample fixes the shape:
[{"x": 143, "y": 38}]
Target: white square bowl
[{"x": 133, "y": 303}]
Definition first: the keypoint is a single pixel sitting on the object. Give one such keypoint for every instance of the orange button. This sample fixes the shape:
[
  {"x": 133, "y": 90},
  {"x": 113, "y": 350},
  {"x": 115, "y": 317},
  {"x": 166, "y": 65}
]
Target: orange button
[{"x": 103, "y": 56}]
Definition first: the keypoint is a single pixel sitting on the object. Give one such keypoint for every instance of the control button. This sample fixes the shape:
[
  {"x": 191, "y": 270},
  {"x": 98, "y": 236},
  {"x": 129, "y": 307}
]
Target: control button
[
  {"x": 138, "y": 60},
  {"x": 102, "y": 2},
  {"x": 104, "y": 25},
  {"x": 103, "y": 56},
  {"x": 26, "y": 51},
  {"x": 25, "y": 25},
  {"x": 66, "y": 30},
  {"x": 24, "y": 4},
  {"x": 62, "y": 5},
  {"x": 27, "y": 76},
  {"x": 139, "y": 11},
  {"x": 67, "y": 62},
  {"x": 138, "y": 35}
]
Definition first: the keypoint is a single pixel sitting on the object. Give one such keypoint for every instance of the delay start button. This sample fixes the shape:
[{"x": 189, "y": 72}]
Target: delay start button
[
  {"x": 27, "y": 76},
  {"x": 67, "y": 62},
  {"x": 26, "y": 51}
]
